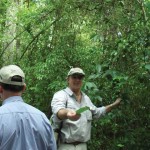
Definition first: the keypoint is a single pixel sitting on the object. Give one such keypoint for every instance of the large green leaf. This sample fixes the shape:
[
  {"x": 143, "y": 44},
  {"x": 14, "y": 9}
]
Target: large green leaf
[{"x": 81, "y": 110}]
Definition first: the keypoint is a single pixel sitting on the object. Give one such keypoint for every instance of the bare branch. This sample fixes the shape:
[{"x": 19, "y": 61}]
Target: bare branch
[
  {"x": 11, "y": 42},
  {"x": 143, "y": 9},
  {"x": 35, "y": 37}
]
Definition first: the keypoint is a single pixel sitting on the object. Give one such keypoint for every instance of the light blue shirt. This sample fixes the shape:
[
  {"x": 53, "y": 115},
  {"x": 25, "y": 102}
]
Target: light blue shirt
[{"x": 23, "y": 127}]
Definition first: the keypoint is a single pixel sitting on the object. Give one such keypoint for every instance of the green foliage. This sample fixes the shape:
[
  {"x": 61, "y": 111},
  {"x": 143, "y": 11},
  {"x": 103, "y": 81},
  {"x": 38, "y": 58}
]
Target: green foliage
[{"x": 109, "y": 40}]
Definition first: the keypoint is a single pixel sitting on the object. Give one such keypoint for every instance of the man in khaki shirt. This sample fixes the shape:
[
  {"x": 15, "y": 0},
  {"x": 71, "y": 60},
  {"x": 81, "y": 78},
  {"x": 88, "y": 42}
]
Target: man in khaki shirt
[{"x": 76, "y": 128}]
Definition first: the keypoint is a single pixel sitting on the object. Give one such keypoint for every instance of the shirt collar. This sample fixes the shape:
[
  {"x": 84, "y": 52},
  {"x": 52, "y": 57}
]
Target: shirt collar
[
  {"x": 12, "y": 99},
  {"x": 69, "y": 91}
]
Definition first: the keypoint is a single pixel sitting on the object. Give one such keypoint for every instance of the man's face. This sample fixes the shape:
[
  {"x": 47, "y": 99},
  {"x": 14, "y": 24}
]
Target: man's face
[{"x": 75, "y": 81}]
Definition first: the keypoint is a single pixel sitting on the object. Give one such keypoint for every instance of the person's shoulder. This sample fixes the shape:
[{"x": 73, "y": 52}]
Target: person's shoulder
[
  {"x": 3, "y": 109},
  {"x": 36, "y": 113},
  {"x": 32, "y": 109},
  {"x": 60, "y": 92},
  {"x": 85, "y": 95},
  {"x": 7, "y": 108}
]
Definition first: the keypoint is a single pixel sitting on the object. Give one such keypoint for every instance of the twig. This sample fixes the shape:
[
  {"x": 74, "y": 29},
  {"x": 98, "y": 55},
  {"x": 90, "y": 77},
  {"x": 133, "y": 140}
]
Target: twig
[
  {"x": 11, "y": 42},
  {"x": 143, "y": 9},
  {"x": 35, "y": 37}
]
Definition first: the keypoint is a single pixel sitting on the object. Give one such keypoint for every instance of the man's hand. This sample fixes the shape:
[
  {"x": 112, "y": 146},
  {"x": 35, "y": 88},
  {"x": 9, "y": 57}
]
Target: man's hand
[
  {"x": 72, "y": 115},
  {"x": 113, "y": 105},
  {"x": 117, "y": 102},
  {"x": 68, "y": 114}
]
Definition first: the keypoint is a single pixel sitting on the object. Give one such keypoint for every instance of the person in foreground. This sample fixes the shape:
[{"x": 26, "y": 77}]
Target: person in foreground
[
  {"x": 22, "y": 127},
  {"x": 76, "y": 127}
]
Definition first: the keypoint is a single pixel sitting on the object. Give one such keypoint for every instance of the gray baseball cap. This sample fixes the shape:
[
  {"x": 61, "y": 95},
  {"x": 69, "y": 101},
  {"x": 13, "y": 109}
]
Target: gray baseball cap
[
  {"x": 76, "y": 71},
  {"x": 7, "y": 72}
]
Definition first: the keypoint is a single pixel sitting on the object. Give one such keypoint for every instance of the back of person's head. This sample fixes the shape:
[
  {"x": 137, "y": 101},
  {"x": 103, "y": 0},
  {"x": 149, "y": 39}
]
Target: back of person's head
[{"x": 12, "y": 78}]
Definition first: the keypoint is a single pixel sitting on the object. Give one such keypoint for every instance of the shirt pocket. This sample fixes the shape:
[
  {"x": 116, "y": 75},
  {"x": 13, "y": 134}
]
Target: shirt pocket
[{"x": 71, "y": 105}]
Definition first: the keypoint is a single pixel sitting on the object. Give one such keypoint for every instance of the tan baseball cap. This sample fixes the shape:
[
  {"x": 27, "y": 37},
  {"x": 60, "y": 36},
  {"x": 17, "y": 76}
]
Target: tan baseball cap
[
  {"x": 76, "y": 71},
  {"x": 7, "y": 72}
]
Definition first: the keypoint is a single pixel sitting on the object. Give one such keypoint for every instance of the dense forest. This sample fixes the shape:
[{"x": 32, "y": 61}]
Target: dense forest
[{"x": 108, "y": 39}]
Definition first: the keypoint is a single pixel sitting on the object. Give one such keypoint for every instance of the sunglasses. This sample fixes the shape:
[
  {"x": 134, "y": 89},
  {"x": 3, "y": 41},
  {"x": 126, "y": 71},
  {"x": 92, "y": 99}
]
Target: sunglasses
[{"x": 77, "y": 77}]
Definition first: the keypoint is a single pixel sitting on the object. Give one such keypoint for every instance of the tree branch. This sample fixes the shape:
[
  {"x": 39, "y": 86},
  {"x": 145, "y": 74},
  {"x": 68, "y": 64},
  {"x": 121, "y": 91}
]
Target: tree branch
[
  {"x": 143, "y": 9},
  {"x": 10, "y": 43},
  {"x": 38, "y": 34}
]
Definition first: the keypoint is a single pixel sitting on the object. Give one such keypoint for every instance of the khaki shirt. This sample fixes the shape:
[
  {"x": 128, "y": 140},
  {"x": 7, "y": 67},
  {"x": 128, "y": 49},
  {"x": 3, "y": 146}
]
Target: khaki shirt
[{"x": 79, "y": 130}]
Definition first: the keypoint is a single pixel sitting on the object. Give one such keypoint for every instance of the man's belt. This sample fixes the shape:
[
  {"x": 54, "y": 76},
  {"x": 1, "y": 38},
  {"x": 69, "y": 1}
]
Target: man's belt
[{"x": 75, "y": 143}]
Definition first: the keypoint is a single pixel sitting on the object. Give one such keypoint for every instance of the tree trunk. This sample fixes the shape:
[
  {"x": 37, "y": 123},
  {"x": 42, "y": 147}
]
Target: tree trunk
[{"x": 10, "y": 48}]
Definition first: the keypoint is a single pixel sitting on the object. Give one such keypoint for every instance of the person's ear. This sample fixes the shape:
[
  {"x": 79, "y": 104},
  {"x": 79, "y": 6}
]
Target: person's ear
[
  {"x": 24, "y": 87},
  {"x": 1, "y": 89},
  {"x": 67, "y": 79}
]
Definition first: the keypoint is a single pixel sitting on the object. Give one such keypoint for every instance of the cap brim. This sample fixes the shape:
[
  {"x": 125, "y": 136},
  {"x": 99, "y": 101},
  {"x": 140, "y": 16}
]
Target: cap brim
[{"x": 76, "y": 73}]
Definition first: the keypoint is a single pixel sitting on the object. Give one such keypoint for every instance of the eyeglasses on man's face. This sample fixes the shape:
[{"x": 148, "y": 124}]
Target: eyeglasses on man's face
[{"x": 79, "y": 77}]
